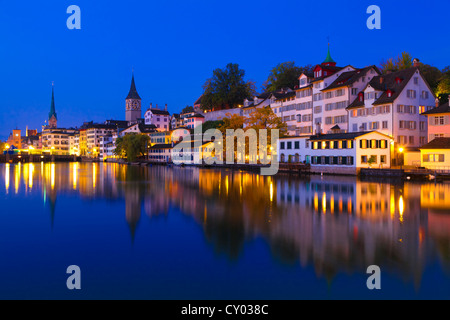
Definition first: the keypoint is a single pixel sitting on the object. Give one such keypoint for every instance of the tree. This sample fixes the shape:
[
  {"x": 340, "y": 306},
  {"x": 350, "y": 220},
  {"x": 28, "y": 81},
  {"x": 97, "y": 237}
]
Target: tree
[
  {"x": 211, "y": 125},
  {"x": 265, "y": 118},
  {"x": 403, "y": 61},
  {"x": 443, "y": 88},
  {"x": 2, "y": 147},
  {"x": 371, "y": 160},
  {"x": 226, "y": 88},
  {"x": 187, "y": 109},
  {"x": 432, "y": 75},
  {"x": 232, "y": 121},
  {"x": 284, "y": 75},
  {"x": 132, "y": 146}
]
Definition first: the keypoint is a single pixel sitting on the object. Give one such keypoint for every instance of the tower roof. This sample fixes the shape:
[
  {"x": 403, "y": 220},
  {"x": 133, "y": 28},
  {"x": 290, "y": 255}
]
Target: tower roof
[
  {"x": 133, "y": 92},
  {"x": 328, "y": 58},
  {"x": 52, "y": 106}
]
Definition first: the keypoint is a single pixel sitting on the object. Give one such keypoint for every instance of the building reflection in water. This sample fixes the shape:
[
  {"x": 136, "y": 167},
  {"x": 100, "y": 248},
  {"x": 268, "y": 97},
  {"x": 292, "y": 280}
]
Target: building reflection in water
[{"x": 336, "y": 224}]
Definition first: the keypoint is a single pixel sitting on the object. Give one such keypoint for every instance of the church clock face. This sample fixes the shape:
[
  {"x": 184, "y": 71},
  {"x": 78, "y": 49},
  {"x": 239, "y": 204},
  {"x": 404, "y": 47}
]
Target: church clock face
[{"x": 133, "y": 105}]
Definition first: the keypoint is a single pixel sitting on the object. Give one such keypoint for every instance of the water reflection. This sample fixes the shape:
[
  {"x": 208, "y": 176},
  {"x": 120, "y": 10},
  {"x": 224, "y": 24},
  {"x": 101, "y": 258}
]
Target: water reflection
[{"x": 335, "y": 224}]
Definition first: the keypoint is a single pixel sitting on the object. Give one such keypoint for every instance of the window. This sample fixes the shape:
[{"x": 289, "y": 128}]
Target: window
[
  {"x": 411, "y": 94},
  {"x": 433, "y": 158},
  {"x": 423, "y": 140},
  {"x": 411, "y": 139},
  {"x": 363, "y": 159},
  {"x": 282, "y": 145},
  {"x": 355, "y": 127},
  {"x": 416, "y": 80},
  {"x": 363, "y": 144},
  {"x": 289, "y": 145},
  {"x": 439, "y": 121},
  {"x": 382, "y": 159},
  {"x": 422, "y": 126},
  {"x": 385, "y": 124},
  {"x": 425, "y": 94},
  {"x": 297, "y": 145},
  {"x": 354, "y": 91}
]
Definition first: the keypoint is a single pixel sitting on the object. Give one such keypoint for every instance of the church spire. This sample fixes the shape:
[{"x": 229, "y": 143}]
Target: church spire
[
  {"x": 328, "y": 58},
  {"x": 52, "y": 117},
  {"x": 52, "y": 105},
  {"x": 133, "y": 92}
]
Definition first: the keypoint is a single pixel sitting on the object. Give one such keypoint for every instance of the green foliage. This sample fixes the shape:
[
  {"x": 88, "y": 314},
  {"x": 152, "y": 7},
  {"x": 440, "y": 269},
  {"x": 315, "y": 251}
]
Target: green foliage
[
  {"x": 432, "y": 75},
  {"x": 285, "y": 75},
  {"x": 226, "y": 88},
  {"x": 212, "y": 125},
  {"x": 132, "y": 146},
  {"x": 371, "y": 160},
  {"x": 187, "y": 109},
  {"x": 403, "y": 61},
  {"x": 443, "y": 88}
]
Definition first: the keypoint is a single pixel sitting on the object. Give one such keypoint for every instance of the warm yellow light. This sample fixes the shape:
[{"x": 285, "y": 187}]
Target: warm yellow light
[
  {"x": 7, "y": 177},
  {"x": 31, "y": 148},
  {"x": 94, "y": 175},
  {"x": 324, "y": 202},
  {"x": 401, "y": 149},
  {"x": 316, "y": 202},
  {"x": 271, "y": 191},
  {"x": 401, "y": 208},
  {"x": 52, "y": 176},
  {"x": 17, "y": 177},
  {"x": 30, "y": 175},
  {"x": 53, "y": 148},
  {"x": 75, "y": 175}
]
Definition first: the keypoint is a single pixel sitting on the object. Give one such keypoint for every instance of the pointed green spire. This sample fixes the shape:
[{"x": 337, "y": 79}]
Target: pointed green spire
[
  {"x": 328, "y": 59},
  {"x": 52, "y": 106}
]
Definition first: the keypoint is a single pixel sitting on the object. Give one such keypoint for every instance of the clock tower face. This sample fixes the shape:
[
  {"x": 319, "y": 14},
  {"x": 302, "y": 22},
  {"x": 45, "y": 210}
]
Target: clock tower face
[{"x": 133, "y": 104}]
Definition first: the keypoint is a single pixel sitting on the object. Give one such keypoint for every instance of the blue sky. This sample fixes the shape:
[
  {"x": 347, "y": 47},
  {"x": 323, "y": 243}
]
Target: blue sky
[{"x": 174, "y": 46}]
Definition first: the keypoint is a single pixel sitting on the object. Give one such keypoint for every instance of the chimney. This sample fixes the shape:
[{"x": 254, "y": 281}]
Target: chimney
[
  {"x": 381, "y": 80},
  {"x": 150, "y": 105},
  {"x": 437, "y": 102},
  {"x": 165, "y": 108},
  {"x": 156, "y": 106},
  {"x": 416, "y": 62}
]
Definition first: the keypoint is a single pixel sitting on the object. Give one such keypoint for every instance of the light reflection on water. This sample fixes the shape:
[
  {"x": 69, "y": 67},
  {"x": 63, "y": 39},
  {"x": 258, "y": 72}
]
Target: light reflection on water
[{"x": 334, "y": 225}]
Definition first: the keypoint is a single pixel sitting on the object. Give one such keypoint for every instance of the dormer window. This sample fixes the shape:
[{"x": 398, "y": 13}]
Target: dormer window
[
  {"x": 361, "y": 97},
  {"x": 398, "y": 80},
  {"x": 389, "y": 93}
]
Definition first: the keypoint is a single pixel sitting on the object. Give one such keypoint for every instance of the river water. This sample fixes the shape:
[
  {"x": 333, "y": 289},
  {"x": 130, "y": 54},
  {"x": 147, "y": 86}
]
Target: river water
[{"x": 189, "y": 233}]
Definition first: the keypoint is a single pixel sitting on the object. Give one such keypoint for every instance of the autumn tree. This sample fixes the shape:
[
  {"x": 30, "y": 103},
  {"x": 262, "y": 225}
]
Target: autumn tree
[
  {"x": 285, "y": 75},
  {"x": 226, "y": 88},
  {"x": 403, "y": 61}
]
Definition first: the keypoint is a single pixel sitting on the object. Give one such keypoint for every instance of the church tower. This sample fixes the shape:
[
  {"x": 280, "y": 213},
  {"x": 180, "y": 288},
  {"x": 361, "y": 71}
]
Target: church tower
[
  {"x": 52, "y": 118},
  {"x": 133, "y": 104}
]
